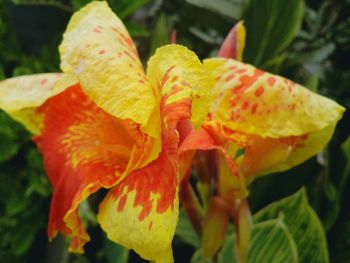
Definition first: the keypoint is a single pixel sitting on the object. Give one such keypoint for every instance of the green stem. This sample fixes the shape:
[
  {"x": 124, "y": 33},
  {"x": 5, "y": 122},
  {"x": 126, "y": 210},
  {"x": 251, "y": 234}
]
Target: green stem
[{"x": 191, "y": 206}]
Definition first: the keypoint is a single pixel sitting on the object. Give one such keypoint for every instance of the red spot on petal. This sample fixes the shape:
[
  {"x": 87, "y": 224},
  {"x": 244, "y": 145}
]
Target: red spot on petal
[
  {"x": 247, "y": 81},
  {"x": 43, "y": 81},
  {"x": 241, "y": 71},
  {"x": 229, "y": 77},
  {"x": 271, "y": 81},
  {"x": 175, "y": 78},
  {"x": 102, "y": 51},
  {"x": 259, "y": 91},
  {"x": 245, "y": 105},
  {"x": 209, "y": 116},
  {"x": 254, "y": 108}
]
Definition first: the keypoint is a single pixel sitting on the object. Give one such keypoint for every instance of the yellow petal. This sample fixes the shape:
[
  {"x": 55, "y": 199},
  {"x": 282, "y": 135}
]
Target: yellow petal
[
  {"x": 177, "y": 74},
  {"x": 98, "y": 49},
  {"x": 252, "y": 101},
  {"x": 21, "y": 96},
  {"x": 141, "y": 212},
  {"x": 268, "y": 155}
]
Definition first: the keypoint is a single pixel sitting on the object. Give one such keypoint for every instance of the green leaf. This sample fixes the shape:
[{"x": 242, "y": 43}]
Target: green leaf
[
  {"x": 23, "y": 238},
  {"x": 8, "y": 138},
  {"x": 8, "y": 147},
  {"x": 271, "y": 26},
  {"x": 341, "y": 243},
  {"x": 39, "y": 182},
  {"x": 124, "y": 8},
  {"x": 136, "y": 30},
  {"x": 346, "y": 173},
  {"x": 271, "y": 242},
  {"x": 77, "y": 4},
  {"x": 2, "y": 74},
  {"x": 303, "y": 224},
  {"x": 199, "y": 258},
  {"x": 346, "y": 148},
  {"x": 185, "y": 231},
  {"x": 17, "y": 203},
  {"x": 115, "y": 253},
  {"x": 229, "y": 8},
  {"x": 160, "y": 37}
]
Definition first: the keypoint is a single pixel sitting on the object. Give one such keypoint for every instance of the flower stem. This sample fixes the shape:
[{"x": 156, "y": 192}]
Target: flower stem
[
  {"x": 243, "y": 222},
  {"x": 191, "y": 206}
]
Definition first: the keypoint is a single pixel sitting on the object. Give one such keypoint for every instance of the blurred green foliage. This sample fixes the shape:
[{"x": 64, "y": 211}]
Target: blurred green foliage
[{"x": 307, "y": 41}]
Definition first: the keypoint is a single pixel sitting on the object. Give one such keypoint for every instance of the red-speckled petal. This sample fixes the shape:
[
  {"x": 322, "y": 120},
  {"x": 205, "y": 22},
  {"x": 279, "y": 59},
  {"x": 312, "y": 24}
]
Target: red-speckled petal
[
  {"x": 21, "y": 96},
  {"x": 97, "y": 48},
  {"x": 141, "y": 212},
  {"x": 255, "y": 102},
  {"x": 84, "y": 149}
]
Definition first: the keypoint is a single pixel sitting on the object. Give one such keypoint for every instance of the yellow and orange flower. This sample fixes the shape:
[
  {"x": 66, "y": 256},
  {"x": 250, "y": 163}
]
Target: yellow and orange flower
[
  {"x": 105, "y": 123},
  {"x": 259, "y": 122}
]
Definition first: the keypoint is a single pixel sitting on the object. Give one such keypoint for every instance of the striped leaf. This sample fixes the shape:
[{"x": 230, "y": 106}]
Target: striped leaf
[
  {"x": 271, "y": 243},
  {"x": 271, "y": 26},
  {"x": 302, "y": 223}
]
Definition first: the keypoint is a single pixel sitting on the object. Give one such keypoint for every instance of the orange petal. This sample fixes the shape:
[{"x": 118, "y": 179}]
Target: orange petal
[
  {"x": 141, "y": 212},
  {"x": 84, "y": 149},
  {"x": 231, "y": 180}
]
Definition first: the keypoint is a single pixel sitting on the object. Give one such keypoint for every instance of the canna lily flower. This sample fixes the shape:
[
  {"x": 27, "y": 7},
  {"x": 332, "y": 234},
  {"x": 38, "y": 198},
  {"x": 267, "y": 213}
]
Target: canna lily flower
[
  {"x": 258, "y": 123},
  {"x": 261, "y": 122},
  {"x": 105, "y": 123}
]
